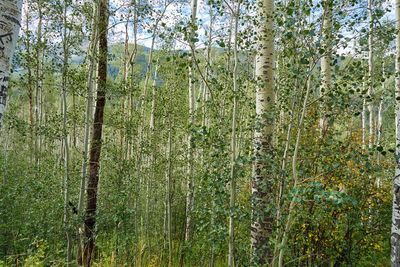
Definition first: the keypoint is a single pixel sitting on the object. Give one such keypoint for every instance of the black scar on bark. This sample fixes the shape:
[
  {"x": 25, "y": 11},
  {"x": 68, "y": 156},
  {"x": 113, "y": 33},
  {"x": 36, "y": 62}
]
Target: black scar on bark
[
  {"x": 6, "y": 35},
  {"x": 12, "y": 19},
  {"x": 395, "y": 243},
  {"x": 397, "y": 193}
]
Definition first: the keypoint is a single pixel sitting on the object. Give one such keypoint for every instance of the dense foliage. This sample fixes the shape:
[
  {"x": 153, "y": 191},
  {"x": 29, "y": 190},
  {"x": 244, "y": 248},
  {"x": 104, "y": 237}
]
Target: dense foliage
[{"x": 341, "y": 198}]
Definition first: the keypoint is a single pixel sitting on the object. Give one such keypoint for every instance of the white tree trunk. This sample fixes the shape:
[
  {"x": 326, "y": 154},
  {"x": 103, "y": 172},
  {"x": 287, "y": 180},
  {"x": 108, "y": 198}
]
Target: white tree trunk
[
  {"x": 363, "y": 117},
  {"x": 231, "y": 258},
  {"x": 326, "y": 69},
  {"x": 262, "y": 183},
  {"x": 395, "y": 237},
  {"x": 370, "y": 77},
  {"x": 190, "y": 178},
  {"x": 379, "y": 123},
  {"x": 67, "y": 202},
  {"x": 150, "y": 178},
  {"x": 10, "y": 18}
]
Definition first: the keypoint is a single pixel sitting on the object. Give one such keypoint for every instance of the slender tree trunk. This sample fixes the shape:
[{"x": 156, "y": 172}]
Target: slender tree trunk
[
  {"x": 95, "y": 147},
  {"x": 153, "y": 160},
  {"x": 30, "y": 86},
  {"x": 363, "y": 118},
  {"x": 229, "y": 45},
  {"x": 37, "y": 89},
  {"x": 10, "y": 14},
  {"x": 65, "y": 135},
  {"x": 231, "y": 258},
  {"x": 370, "y": 76},
  {"x": 132, "y": 59},
  {"x": 74, "y": 140},
  {"x": 141, "y": 127},
  {"x": 262, "y": 182},
  {"x": 190, "y": 178},
  {"x": 284, "y": 174},
  {"x": 206, "y": 120},
  {"x": 326, "y": 69},
  {"x": 379, "y": 123},
  {"x": 290, "y": 218},
  {"x": 395, "y": 237},
  {"x": 89, "y": 85}
]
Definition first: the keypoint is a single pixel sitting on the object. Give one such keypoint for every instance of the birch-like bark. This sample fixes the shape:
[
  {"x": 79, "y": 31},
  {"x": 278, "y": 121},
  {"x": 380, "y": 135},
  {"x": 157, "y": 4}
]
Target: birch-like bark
[
  {"x": 190, "y": 178},
  {"x": 262, "y": 182},
  {"x": 379, "y": 122},
  {"x": 153, "y": 159},
  {"x": 95, "y": 147},
  {"x": 10, "y": 18},
  {"x": 395, "y": 236},
  {"x": 231, "y": 257},
  {"x": 124, "y": 99},
  {"x": 363, "y": 118},
  {"x": 30, "y": 86},
  {"x": 206, "y": 120},
  {"x": 326, "y": 69},
  {"x": 370, "y": 76},
  {"x": 65, "y": 135},
  {"x": 90, "y": 65},
  {"x": 38, "y": 84},
  {"x": 208, "y": 56},
  {"x": 229, "y": 45},
  {"x": 143, "y": 97},
  {"x": 132, "y": 59},
  {"x": 380, "y": 105}
]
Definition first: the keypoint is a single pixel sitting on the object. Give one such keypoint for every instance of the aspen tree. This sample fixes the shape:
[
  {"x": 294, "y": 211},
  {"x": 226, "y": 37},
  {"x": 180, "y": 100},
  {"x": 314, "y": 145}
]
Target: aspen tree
[
  {"x": 395, "y": 236},
  {"x": 231, "y": 258},
  {"x": 206, "y": 120},
  {"x": 90, "y": 66},
  {"x": 152, "y": 159},
  {"x": 190, "y": 178},
  {"x": 39, "y": 53},
  {"x": 370, "y": 75},
  {"x": 326, "y": 69},
  {"x": 95, "y": 147},
  {"x": 208, "y": 57},
  {"x": 10, "y": 14},
  {"x": 65, "y": 47},
  {"x": 132, "y": 59},
  {"x": 124, "y": 99},
  {"x": 144, "y": 94},
  {"x": 262, "y": 182},
  {"x": 363, "y": 118},
  {"x": 379, "y": 122},
  {"x": 30, "y": 79}
]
